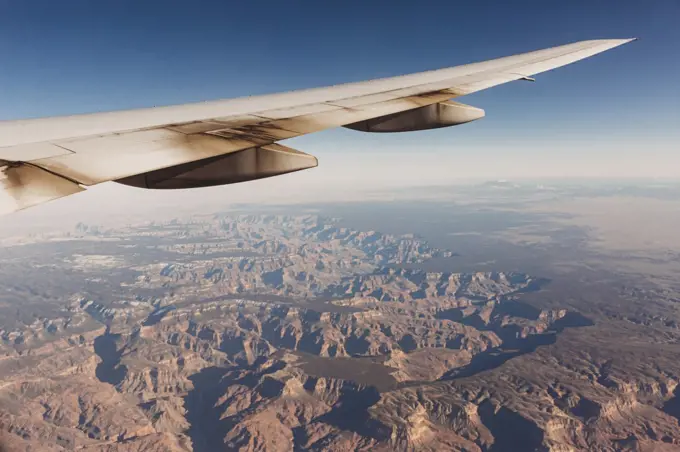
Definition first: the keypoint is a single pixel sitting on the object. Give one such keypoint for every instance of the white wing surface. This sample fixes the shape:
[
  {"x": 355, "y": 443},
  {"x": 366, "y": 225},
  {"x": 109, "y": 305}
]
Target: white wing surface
[{"x": 228, "y": 141}]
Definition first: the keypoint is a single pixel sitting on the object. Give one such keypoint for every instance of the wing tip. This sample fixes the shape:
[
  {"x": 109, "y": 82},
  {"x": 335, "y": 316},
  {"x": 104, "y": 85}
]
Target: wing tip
[
  {"x": 616, "y": 42},
  {"x": 611, "y": 43},
  {"x": 620, "y": 42}
]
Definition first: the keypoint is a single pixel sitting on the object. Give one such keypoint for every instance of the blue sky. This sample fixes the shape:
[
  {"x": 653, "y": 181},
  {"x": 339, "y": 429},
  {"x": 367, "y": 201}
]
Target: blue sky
[{"x": 72, "y": 56}]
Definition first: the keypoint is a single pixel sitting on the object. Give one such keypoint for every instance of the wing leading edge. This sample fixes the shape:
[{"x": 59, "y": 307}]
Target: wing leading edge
[{"x": 44, "y": 159}]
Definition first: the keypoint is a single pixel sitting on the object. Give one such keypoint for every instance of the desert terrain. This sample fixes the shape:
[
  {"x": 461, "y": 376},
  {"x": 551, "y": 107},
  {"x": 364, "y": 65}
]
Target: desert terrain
[{"x": 499, "y": 318}]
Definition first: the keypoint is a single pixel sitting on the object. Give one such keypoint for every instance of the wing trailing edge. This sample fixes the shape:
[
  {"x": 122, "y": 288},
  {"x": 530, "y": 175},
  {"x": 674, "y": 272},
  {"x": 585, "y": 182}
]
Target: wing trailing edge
[{"x": 24, "y": 185}]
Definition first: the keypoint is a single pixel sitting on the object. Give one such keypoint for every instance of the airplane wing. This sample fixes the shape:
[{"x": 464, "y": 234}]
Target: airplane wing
[{"x": 228, "y": 141}]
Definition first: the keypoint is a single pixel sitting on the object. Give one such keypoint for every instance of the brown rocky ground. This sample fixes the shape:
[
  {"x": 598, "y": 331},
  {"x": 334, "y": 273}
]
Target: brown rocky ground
[{"x": 291, "y": 333}]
